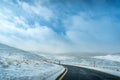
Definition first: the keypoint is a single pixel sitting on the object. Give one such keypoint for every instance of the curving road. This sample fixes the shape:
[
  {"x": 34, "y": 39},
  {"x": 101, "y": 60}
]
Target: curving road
[{"x": 78, "y": 73}]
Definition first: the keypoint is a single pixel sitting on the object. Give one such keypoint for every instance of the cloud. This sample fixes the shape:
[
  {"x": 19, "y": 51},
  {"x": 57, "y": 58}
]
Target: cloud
[
  {"x": 87, "y": 33},
  {"x": 57, "y": 27},
  {"x": 36, "y": 9},
  {"x": 17, "y": 32},
  {"x": 38, "y": 38}
]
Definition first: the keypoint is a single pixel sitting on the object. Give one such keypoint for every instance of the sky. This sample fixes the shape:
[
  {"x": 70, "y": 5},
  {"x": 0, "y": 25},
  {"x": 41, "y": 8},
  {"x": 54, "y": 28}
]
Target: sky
[{"x": 61, "y": 26}]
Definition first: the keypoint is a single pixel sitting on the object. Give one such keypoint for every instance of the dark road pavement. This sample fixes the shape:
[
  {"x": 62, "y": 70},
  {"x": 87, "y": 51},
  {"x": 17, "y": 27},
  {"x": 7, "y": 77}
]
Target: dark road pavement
[{"x": 78, "y": 73}]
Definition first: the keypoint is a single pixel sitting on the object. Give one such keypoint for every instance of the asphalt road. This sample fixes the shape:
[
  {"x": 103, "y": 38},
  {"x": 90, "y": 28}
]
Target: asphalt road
[{"x": 78, "y": 73}]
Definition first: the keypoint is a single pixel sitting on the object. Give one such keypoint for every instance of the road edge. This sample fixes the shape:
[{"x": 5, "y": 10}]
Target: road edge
[
  {"x": 92, "y": 68},
  {"x": 63, "y": 74}
]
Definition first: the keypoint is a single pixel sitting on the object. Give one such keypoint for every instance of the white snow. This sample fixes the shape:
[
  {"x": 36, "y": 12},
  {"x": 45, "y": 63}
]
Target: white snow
[
  {"x": 16, "y": 64},
  {"x": 27, "y": 70},
  {"x": 108, "y": 63},
  {"x": 109, "y": 57}
]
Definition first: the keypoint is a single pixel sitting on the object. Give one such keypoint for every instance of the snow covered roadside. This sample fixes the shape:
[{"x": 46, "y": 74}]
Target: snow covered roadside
[
  {"x": 28, "y": 70},
  {"x": 56, "y": 75},
  {"x": 40, "y": 72},
  {"x": 112, "y": 72}
]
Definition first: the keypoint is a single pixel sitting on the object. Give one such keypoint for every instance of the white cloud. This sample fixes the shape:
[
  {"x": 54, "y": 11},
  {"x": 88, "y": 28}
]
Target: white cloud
[
  {"x": 34, "y": 37},
  {"x": 83, "y": 33},
  {"x": 37, "y": 9},
  {"x": 87, "y": 33},
  {"x": 101, "y": 29},
  {"x": 17, "y": 32},
  {"x": 20, "y": 21},
  {"x": 5, "y": 13}
]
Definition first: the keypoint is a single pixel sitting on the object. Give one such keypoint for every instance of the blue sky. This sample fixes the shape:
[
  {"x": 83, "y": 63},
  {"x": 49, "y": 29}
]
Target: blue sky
[{"x": 61, "y": 26}]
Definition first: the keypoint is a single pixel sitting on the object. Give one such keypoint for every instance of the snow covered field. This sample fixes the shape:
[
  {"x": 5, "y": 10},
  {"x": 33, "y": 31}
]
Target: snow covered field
[
  {"x": 16, "y": 64},
  {"x": 98, "y": 61},
  {"x": 107, "y": 63},
  {"x": 40, "y": 71},
  {"x": 109, "y": 57}
]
